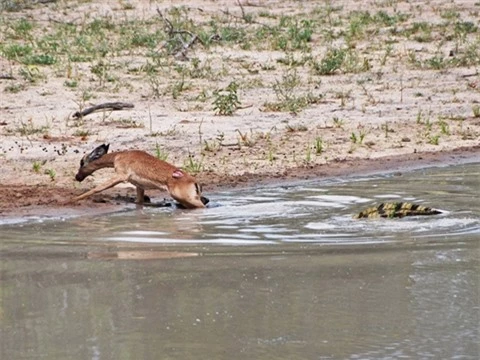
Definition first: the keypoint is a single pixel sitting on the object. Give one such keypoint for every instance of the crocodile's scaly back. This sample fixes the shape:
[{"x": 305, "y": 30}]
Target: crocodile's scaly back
[{"x": 396, "y": 210}]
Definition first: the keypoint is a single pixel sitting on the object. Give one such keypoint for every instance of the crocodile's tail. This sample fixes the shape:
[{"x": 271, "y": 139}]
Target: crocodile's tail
[{"x": 396, "y": 210}]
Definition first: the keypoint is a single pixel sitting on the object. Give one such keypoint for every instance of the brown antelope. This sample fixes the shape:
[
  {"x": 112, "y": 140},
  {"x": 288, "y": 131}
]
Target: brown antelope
[{"x": 145, "y": 172}]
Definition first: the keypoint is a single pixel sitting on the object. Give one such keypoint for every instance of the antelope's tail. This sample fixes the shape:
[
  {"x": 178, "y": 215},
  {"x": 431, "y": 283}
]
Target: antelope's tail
[{"x": 396, "y": 210}]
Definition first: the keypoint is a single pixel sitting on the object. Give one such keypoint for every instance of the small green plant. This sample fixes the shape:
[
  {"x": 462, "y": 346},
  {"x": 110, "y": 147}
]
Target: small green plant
[
  {"x": 476, "y": 111},
  {"x": 386, "y": 129},
  {"x": 193, "y": 166},
  {"x": 71, "y": 83},
  {"x": 337, "y": 122},
  {"x": 444, "y": 128},
  {"x": 419, "y": 119},
  {"x": 331, "y": 62},
  {"x": 40, "y": 59},
  {"x": 31, "y": 73},
  {"x": 29, "y": 128},
  {"x": 226, "y": 100},
  {"x": 358, "y": 139},
  {"x": 179, "y": 87},
  {"x": 288, "y": 95},
  {"x": 271, "y": 156},
  {"x": 308, "y": 155},
  {"x": 102, "y": 70},
  {"x": 353, "y": 138},
  {"x": 318, "y": 145},
  {"x": 296, "y": 128},
  {"x": 245, "y": 139},
  {"x": 82, "y": 133},
  {"x": 434, "y": 139},
  {"x": 210, "y": 146},
  {"x": 160, "y": 153},
  {"x": 51, "y": 173},
  {"x": 36, "y": 166},
  {"x": 362, "y": 136},
  {"x": 14, "y": 88},
  {"x": 125, "y": 123}
]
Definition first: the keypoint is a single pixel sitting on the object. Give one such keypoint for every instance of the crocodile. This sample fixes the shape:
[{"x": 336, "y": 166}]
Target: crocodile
[{"x": 396, "y": 210}]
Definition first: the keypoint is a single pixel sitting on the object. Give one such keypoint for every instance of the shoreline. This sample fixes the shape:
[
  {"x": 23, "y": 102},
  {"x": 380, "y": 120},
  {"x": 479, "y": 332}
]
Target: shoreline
[{"x": 44, "y": 201}]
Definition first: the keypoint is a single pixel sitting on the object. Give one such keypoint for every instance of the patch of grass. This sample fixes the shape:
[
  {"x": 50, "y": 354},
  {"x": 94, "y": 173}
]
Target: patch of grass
[
  {"x": 102, "y": 71},
  {"x": 420, "y": 32},
  {"x": 340, "y": 59},
  {"x": 288, "y": 94},
  {"x": 179, "y": 87},
  {"x": 51, "y": 173},
  {"x": 318, "y": 145},
  {"x": 444, "y": 128},
  {"x": 331, "y": 62},
  {"x": 337, "y": 122},
  {"x": 358, "y": 139},
  {"x": 31, "y": 74},
  {"x": 245, "y": 139},
  {"x": 193, "y": 166},
  {"x": 39, "y": 59},
  {"x": 126, "y": 123},
  {"x": 226, "y": 100},
  {"x": 160, "y": 153},
  {"x": 36, "y": 166},
  {"x": 296, "y": 128},
  {"x": 82, "y": 133},
  {"x": 29, "y": 128},
  {"x": 434, "y": 139},
  {"x": 71, "y": 83},
  {"x": 14, "y": 88},
  {"x": 308, "y": 155},
  {"x": 16, "y": 51}
]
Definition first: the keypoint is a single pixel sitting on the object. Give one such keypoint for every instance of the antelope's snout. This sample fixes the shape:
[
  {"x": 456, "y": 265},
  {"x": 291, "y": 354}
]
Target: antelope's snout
[{"x": 79, "y": 177}]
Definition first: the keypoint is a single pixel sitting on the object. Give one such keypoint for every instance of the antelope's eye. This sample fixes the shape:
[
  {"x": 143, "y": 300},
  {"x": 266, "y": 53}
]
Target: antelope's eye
[{"x": 198, "y": 189}]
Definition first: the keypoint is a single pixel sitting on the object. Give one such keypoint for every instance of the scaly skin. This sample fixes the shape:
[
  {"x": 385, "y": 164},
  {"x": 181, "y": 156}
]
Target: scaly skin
[{"x": 396, "y": 210}]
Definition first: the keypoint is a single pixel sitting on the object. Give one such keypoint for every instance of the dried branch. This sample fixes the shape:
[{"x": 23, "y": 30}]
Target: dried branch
[
  {"x": 178, "y": 35},
  {"x": 105, "y": 106}
]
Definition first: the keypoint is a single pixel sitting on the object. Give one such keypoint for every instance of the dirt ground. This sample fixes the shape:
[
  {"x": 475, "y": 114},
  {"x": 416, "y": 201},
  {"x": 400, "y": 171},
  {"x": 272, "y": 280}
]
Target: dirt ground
[{"x": 402, "y": 98}]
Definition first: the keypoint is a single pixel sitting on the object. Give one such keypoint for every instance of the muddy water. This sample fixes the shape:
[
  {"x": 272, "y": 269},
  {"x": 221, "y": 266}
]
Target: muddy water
[{"x": 271, "y": 273}]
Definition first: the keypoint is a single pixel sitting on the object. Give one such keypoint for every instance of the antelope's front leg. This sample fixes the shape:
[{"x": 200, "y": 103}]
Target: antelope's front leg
[
  {"x": 110, "y": 183},
  {"x": 140, "y": 195}
]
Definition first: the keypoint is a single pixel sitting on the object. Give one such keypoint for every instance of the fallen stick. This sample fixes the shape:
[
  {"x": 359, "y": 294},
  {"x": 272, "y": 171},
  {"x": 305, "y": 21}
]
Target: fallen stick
[{"x": 105, "y": 106}]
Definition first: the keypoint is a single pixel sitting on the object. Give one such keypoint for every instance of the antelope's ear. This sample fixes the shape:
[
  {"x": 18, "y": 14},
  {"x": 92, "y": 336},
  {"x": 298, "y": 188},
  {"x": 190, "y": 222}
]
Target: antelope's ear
[
  {"x": 177, "y": 174},
  {"x": 82, "y": 161}
]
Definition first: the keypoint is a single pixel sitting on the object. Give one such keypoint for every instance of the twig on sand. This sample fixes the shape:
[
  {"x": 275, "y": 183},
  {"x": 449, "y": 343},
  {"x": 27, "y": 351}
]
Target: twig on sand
[
  {"x": 184, "y": 37},
  {"x": 105, "y": 106}
]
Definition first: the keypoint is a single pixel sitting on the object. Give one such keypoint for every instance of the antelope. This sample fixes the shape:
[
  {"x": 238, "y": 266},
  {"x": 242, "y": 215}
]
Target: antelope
[{"x": 144, "y": 171}]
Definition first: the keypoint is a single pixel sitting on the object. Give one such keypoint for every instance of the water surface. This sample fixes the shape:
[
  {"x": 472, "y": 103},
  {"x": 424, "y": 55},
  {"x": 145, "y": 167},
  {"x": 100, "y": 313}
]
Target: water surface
[{"x": 268, "y": 273}]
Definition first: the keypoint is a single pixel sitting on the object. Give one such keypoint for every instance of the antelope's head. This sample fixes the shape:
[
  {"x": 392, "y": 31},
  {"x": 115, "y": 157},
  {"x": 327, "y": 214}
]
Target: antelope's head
[{"x": 184, "y": 189}]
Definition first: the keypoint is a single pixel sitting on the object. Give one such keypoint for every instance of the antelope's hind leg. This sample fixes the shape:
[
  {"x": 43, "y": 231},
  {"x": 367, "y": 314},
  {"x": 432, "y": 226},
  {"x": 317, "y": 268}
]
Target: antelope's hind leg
[{"x": 110, "y": 183}]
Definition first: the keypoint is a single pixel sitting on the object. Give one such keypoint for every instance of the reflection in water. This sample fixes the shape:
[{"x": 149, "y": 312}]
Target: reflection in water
[{"x": 281, "y": 273}]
